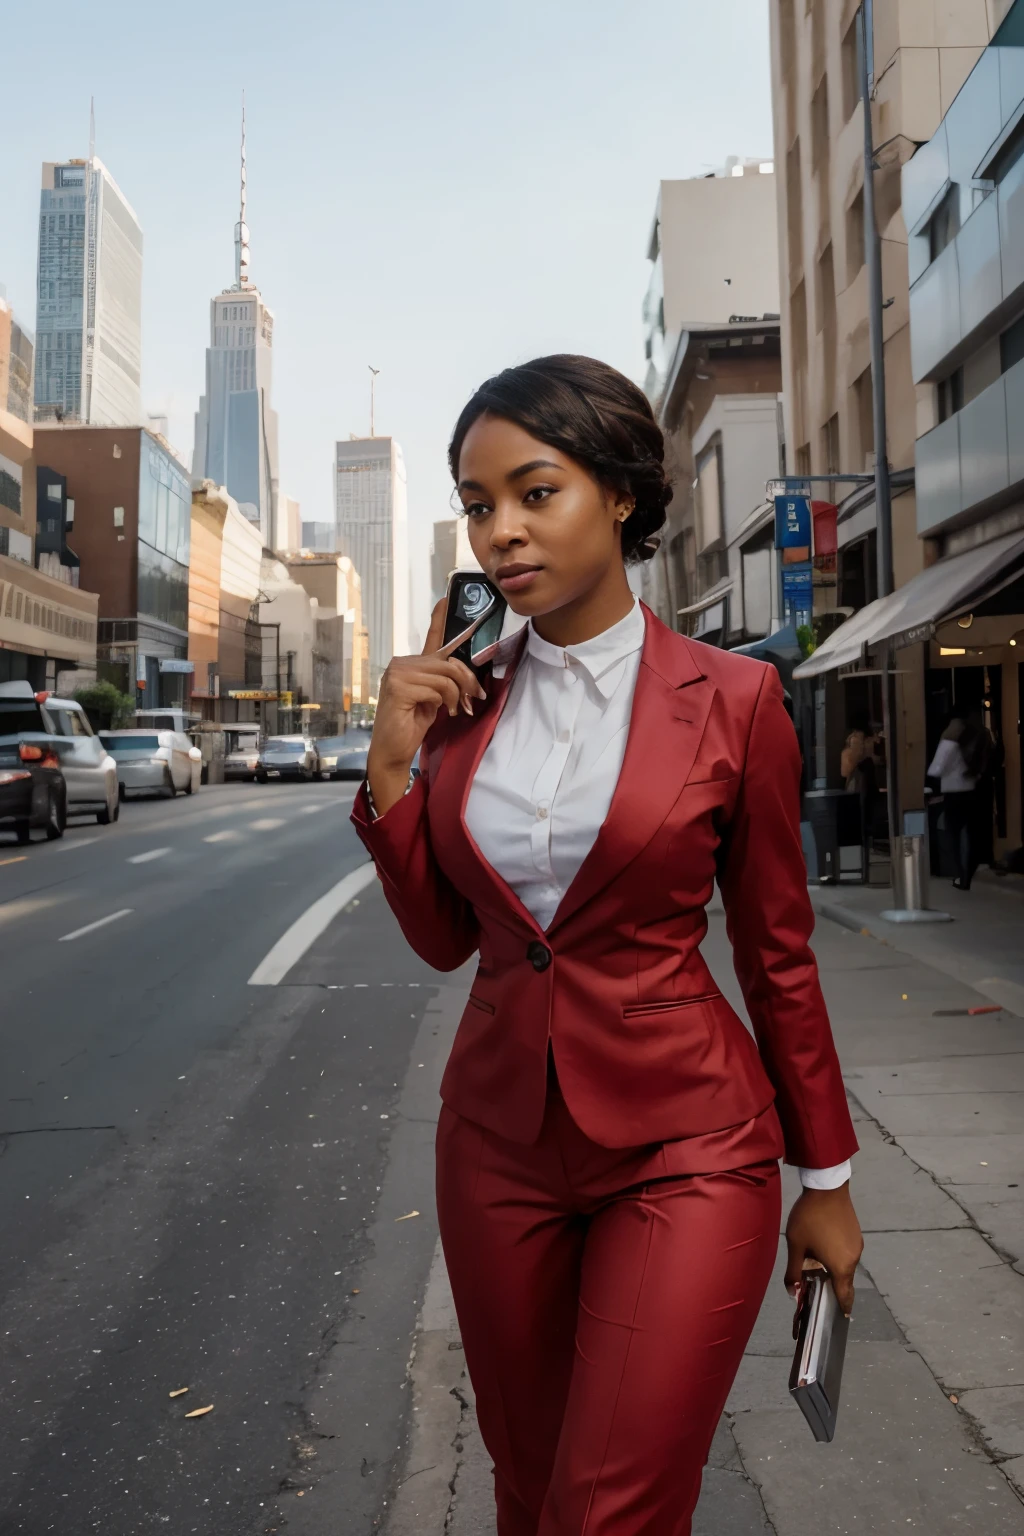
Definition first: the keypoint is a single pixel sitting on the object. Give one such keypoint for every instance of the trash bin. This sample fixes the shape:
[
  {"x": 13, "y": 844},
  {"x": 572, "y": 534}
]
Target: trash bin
[{"x": 834, "y": 819}]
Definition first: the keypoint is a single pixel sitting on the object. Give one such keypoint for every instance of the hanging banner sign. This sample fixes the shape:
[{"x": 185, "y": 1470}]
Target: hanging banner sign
[
  {"x": 793, "y": 522},
  {"x": 796, "y": 585}
]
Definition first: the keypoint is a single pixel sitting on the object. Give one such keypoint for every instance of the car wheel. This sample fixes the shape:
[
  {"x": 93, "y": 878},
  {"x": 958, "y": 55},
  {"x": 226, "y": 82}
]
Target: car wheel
[
  {"x": 261, "y": 778},
  {"x": 23, "y": 832},
  {"x": 55, "y": 818},
  {"x": 189, "y": 787},
  {"x": 121, "y": 792},
  {"x": 104, "y": 817},
  {"x": 169, "y": 790}
]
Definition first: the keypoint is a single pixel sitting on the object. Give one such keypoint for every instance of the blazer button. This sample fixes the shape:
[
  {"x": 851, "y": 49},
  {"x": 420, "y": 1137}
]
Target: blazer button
[{"x": 538, "y": 955}]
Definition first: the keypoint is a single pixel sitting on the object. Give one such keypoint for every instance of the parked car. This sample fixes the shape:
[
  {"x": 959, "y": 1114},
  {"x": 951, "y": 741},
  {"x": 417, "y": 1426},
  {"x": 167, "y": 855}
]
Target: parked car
[
  {"x": 90, "y": 773},
  {"x": 242, "y": 755},
  {"x": 344, "y": 757},
  {"x": 161, "y": 761},
  {"x": 288, "y": 757},
  {"x": 32, "y": 790}
]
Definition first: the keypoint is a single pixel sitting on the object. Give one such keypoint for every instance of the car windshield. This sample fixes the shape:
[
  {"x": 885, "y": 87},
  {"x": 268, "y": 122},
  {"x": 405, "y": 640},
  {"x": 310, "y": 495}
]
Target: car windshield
[
  {"x": 241, "y": 741},
  {"x": 17, "y": 715},
  {"x": 290, "y": 748},
  {"x": 129, "y": 743},
  {"x": 331, "y": 743}
]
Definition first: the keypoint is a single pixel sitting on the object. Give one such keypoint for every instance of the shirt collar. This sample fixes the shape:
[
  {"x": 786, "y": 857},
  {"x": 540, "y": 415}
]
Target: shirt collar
[{"x": 601, "y": 657}]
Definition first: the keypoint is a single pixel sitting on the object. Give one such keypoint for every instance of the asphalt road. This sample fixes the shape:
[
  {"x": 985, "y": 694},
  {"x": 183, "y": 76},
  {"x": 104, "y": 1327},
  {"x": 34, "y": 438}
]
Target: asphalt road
[{"x": 201, "y": 1180}]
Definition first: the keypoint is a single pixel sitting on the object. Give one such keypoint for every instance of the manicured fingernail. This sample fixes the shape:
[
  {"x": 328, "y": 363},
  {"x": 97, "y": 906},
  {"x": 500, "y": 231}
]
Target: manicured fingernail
[{"x": 467, "y": 704}]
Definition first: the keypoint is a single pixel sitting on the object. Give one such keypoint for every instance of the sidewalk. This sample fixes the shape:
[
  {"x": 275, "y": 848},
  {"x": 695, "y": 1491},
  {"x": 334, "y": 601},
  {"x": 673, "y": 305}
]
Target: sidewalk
[{"x": 931, "y": 1435}]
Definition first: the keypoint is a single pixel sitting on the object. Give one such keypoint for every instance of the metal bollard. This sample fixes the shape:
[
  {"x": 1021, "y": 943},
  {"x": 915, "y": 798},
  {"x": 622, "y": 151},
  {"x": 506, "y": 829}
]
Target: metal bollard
[{"x": 915, "y": 876}]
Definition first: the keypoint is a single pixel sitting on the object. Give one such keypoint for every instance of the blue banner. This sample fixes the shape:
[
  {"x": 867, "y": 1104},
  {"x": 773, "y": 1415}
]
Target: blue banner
[
  {"x": 797, "y": 590},
  {"x": 792, "y": 522}
]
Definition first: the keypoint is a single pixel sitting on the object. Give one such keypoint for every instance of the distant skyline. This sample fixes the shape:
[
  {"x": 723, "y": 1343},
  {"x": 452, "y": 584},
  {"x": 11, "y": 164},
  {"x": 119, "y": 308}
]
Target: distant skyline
[{"x": 437, "y": 191}]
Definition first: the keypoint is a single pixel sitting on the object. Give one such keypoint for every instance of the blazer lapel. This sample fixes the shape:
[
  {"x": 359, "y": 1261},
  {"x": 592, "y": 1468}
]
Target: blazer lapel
[
  {"x": 670, "y": 710},
  {"x": 467, "y": 741}
]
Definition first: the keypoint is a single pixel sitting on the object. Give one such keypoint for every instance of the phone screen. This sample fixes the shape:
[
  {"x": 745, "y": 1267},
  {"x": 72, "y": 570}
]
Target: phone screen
[{"x": 473, "y": 599}]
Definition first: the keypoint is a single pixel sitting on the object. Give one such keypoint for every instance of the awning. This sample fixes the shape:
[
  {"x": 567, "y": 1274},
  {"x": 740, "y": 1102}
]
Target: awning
[
  {"x": 715, "y": 595},
  {"x": 945, "y": 590}
]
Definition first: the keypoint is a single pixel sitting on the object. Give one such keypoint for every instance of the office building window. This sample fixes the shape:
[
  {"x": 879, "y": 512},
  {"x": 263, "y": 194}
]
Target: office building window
[
  {"x": 951, "y": 394},
  {"x": 855, "y": 237},
  {"x": 945, "y": 222},
  {"x": 1011, "y": 344}
]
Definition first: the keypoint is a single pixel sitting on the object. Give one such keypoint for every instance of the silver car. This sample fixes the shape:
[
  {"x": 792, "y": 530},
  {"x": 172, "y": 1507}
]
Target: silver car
[
  {"x": 162, "y": 762},
  {"x": 90, "y": 773}
]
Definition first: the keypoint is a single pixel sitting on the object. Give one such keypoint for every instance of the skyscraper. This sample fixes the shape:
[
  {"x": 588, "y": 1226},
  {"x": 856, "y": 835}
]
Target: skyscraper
[
  {"x": 88, "y": 298},
  {"x": 370, "y": 512},
  {"x": 236, "y": 429}
]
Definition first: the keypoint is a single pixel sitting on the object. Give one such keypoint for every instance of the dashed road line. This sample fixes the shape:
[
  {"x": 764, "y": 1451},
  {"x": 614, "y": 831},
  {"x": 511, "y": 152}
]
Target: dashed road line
[
  {"x": 265, "y": 824},
  {"x": 222, "y": 837},
  {"x": 101, "y": 922},
  {"x": 148, "y": 856}
]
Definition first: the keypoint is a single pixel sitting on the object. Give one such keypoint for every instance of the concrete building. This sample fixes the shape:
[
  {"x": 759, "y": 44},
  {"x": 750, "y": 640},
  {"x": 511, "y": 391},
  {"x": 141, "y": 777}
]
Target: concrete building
[
  {"x": 224, "y": 642},
  {"x": 88, "y": 362},
  {"x": 713, "y": 255},
  {"x": 236, "y": 426},
  {"x": 17, "y": 363},
  {"x": 47, "y": 625},
  {"x": 371, "y": 522},
  {"x": 302, "y": 652},
  {"x": 132, "y": 535},
  {"x": 920, "y": 55},
  {"x": 957, "y": 625},
  {"x": 443, "y": 560},
  {"x": 287, "y": 523},
  {"x": 713, "y": 576},
  {"x": 335, "y": 583}
]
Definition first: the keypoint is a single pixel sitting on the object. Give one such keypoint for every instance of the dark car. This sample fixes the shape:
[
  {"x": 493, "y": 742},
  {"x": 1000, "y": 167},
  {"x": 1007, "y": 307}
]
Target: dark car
[
  {"x": 287, "y": 757},
  {"x": 344, "y": 757},
  {"x": 32, "y": 790}
]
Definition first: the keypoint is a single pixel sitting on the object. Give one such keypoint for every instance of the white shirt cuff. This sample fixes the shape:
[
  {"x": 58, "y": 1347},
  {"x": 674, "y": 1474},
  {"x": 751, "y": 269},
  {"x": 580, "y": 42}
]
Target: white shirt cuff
[{"x": 826, "y": 1178}]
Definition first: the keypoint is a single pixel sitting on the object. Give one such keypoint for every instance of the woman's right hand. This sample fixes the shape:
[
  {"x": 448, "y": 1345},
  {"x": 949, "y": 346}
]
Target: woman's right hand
[{"x": 412, "y": 690}]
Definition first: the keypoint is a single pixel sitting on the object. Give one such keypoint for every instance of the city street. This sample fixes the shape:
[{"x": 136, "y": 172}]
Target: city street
[{"x": 193, "y": 1188}]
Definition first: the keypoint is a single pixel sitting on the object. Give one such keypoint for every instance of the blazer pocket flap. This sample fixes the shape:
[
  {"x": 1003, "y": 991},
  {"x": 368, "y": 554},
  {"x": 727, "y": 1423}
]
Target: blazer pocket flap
[
  {"x": 668, "y": 1005},
  {"x": 481, "y": 1003}
]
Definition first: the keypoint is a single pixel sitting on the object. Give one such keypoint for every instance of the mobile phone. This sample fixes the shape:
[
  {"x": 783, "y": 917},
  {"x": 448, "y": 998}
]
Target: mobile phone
[{"x": 474, "y": 616}]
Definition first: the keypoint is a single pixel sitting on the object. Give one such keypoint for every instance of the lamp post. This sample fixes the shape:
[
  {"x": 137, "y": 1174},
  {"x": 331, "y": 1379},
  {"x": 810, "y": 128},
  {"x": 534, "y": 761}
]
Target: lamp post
[{"x": 883, "y": 493}]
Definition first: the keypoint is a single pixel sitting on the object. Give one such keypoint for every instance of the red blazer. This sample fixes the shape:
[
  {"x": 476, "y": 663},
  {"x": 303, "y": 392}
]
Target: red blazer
[{"x": 646, "y": 1047}]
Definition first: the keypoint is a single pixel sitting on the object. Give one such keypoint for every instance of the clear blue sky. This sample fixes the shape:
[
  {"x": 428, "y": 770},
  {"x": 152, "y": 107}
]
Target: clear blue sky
[{"x": 437, "y": 187}]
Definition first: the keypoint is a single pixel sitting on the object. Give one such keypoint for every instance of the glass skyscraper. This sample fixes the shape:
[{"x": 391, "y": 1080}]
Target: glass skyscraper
[
  {"x": 236, "y": 428},
  {"x": 371, "y": 517},
  {"x": 88, "y": 365}
]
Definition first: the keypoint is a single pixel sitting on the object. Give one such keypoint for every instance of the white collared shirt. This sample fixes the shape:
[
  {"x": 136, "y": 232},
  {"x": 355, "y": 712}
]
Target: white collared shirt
[{"x": 545, "y": 783}]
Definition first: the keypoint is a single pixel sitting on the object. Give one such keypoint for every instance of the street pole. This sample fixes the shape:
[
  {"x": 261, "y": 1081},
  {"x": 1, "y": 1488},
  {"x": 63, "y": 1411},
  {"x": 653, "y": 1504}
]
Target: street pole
[
  {"x": 883, "y": 493},
  {"x": 373, "y": 385}
]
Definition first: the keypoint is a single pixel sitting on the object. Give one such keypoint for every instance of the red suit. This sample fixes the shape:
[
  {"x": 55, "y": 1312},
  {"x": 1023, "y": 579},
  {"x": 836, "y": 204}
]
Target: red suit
[{"x": 606, "y": 1183}]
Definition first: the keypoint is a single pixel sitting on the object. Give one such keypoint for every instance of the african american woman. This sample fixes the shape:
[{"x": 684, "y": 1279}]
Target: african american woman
[{"x": 608, "y": 1184}]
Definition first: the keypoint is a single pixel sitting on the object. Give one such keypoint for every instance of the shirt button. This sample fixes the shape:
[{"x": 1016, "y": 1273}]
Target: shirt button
[
  {"x": 542, "y": 812},
  {"x": 564, "y": 736}
]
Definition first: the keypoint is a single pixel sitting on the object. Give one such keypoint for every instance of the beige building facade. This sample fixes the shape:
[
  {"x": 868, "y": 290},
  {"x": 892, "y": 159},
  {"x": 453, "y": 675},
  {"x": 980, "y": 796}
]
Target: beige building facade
[{"x": 920, "y": 55}]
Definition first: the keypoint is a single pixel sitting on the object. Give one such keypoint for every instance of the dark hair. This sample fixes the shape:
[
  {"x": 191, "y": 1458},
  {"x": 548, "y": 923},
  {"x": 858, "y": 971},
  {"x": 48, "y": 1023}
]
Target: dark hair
[{"x": 595, "y": 415}]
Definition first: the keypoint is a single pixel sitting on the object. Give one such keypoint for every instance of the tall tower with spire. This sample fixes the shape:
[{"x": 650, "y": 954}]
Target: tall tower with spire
[{"x": 236, "y": 426}]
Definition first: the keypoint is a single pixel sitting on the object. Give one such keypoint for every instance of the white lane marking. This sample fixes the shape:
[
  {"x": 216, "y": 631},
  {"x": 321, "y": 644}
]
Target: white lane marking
[
  {"x": 69, "y": 845},
  {"x": 310, "y": 810},
  {"x": 222, "y": 837},
  {"x": 292, "y": 945},
  {"x": 265, "y": 824},
  {"x": 91, "y": 927},
  {"x": 151, "y": 853}
]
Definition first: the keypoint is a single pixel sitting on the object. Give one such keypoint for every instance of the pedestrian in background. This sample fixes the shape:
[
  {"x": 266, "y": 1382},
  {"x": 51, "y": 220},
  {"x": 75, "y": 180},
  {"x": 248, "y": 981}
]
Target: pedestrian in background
[
  {"x": 607, "y": 1178},
  {"x": 960, "y": 760}
]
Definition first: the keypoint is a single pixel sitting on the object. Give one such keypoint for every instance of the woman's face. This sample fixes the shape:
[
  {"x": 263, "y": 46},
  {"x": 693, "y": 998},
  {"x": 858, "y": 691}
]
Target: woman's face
[{"x": 543, "y": 529}]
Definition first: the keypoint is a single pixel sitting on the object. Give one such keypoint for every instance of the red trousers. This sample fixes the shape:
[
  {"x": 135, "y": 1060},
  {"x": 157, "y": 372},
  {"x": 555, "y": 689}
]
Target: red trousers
[{"x": 604, "y": 1309}]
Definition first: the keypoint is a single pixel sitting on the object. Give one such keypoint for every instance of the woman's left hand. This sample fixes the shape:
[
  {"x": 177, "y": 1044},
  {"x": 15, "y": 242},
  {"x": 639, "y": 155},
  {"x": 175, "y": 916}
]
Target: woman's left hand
[{"x": 823, "y": 1225}]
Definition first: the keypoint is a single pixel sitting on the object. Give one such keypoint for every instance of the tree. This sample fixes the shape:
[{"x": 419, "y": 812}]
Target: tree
[{"x": 106, "y": 706}]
